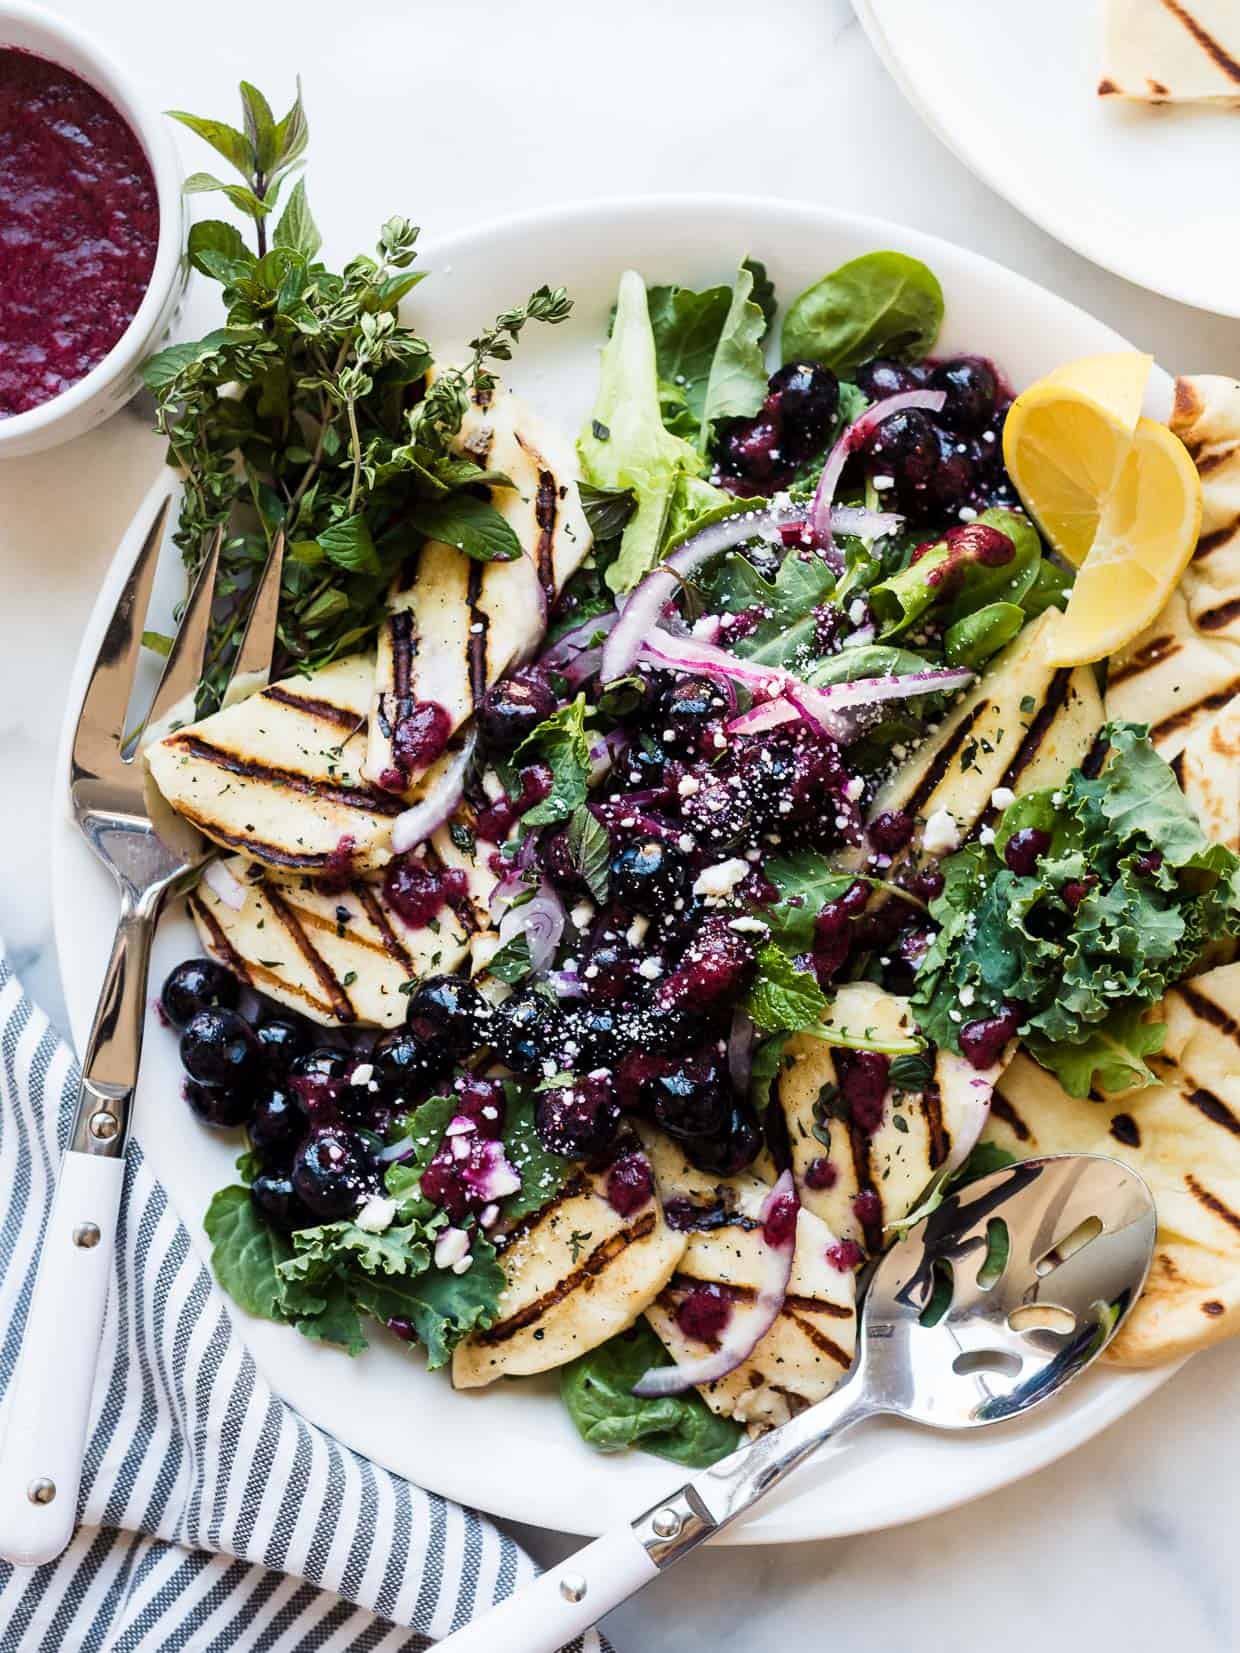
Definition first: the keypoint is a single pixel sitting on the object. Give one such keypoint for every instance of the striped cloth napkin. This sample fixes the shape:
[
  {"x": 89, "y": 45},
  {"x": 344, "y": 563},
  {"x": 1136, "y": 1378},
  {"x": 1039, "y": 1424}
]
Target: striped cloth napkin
[{"x": 213, "y": 1518}]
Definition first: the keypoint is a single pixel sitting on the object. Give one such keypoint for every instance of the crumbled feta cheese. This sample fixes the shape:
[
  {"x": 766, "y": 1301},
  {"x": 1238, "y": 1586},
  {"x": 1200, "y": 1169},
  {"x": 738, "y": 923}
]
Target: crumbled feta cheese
[
  {"x": 451, "y": 1247},
  {"x": 967, "y": 513},
  {"x": 636, "y": 932},
  {"x": 986, "y": 835},
  {"x": 464, "y": 1266},
  {"x": 462, "y": 1125},
  {"x": 955, "y": 1016},
  {"x": 854, "y": 788},
  {"x": 687, "y": 843},
  {"x": 582, "y": 913},
  {"x": 651, "y": 969},
  {"x": 722, "y": 878},
  {"x": 492, "y": 785},
  {"x": 1002, "y": 796},
  {"x": 488, "y": 1216},
  {"x": 857, "y": 611},
  {"x": 882, "y": 483},
  {"x": 748, "y": 926},
  {"x": 967, "y": 993},
  {"x": 689, "y": 784},
  {"x": 376, "y": 1214},
  {"x": 941, "y": 834},
  {"x": 362, "y": 1074}
]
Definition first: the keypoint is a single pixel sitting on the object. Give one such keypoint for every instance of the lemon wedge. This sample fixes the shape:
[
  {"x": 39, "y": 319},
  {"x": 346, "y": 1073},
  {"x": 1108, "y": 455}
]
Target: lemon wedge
[{"x": 1116, "y": 494}]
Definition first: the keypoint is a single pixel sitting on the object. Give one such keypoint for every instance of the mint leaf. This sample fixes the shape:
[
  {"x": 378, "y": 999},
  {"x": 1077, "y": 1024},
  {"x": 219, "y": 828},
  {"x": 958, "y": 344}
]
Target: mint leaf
[
  {"x": 561, "y": 742},
  {"x": 806, "y": 882},
  {"x": 589, "y": 848},
  {"x": 782, "y": 998},
  {"x": 511, "y": 963},
  {"x": 472, "y": 525}
]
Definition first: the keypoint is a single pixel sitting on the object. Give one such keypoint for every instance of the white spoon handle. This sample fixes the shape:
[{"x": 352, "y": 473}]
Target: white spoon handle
[{"x": 49, "y": 1402}]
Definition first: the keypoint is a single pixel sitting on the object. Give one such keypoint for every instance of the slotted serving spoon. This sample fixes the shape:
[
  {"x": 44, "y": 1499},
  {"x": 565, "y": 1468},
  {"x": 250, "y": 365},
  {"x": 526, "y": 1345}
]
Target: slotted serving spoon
[{"x": 988, "y": 1307}]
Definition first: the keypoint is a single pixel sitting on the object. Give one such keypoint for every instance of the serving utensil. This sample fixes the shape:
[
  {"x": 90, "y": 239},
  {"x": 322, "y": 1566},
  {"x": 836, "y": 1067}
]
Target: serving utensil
[
  {"x": 988, "y": 1307},
  {"x": 152, "y": 854}
]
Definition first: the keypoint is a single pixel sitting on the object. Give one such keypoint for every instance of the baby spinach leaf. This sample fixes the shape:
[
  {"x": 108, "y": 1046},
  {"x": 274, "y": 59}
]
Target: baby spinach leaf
[
  {"x": 597, "y": 1390},
  {"x": 973, "y": 639},
  {"x": 246, "y": 1254},
  {"x": 950, "y": 574},
  {"x": 881, "y": 304}
]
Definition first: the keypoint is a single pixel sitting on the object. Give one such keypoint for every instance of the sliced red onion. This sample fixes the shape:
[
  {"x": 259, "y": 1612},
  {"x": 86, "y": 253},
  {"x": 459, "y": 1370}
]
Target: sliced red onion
[
  {"x": 865, "y": 525},
  {"x": 643, "y": 608},
  {"x": 707, "y": 628},
  {"x": 540, "y": 920},
  {"x": 740, "y": 1051},
  {"x": 820, "y": 513},
  {"x": 870, "y": 691},
  {"x": 415, "y": 826},
  {"x": 605, "y": 754},
  {"x": 573, "y": 642},
  {"x": 687, "y": 654},
  {"x": 749, "y": 1321},
  {"x": 220, "y": 881},
  {"x": 767, "y": 714},
  {"x": 566, "y": 984},
  {"x": 581, "y": 668}
]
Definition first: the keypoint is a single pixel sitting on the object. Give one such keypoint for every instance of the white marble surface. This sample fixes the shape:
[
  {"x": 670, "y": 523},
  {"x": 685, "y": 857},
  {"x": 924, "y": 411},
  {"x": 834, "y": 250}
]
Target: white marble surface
[{"x": 454, "y": 110}]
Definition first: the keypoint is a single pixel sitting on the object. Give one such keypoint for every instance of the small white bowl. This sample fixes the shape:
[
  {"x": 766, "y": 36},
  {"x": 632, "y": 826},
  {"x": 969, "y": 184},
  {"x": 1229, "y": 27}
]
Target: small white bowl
[{"x": 110, "y": 384}]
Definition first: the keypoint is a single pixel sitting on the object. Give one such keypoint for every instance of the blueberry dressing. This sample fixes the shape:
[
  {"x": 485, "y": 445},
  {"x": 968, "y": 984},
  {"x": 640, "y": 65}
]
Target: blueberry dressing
[{"x": 79, "y": 225}]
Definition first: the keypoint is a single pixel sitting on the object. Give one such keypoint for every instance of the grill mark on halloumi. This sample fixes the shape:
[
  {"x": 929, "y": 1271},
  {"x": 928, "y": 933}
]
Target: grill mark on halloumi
[
  {"x": 1177, "y": 767},
  {"x": 1207, "y": 1011},
  {"x": 1214, "y": 619},
  {"x": 824, "y": 1344},
  {"x": 1189, "y": 714},
  {"x": 1044, "y": 719},
  {"x": 1150, "y": 655},
  {"x": 599, "y": 1259},
  {"x": 1214, "y": 1108},
  {"x": 220, "y": 944},
  {"x": 258, "y": 849},
  {"x": 1211, "y": 1201},
  {"x": 312, "y": 707},
  {"x": 250, "y": 769},
  {"x": 479, "y": 627},
  {"x": 323, "y": 973},
  {"x": 1216, "y": 540},
  {"x": 859, "y": 1143},
  {"x": 391, "y": 709},
  {"x": 392, "y": 943},
  {"x": 1003, "y": 1109},
  {"x": 942, "y": 761},
  {"x": 931, "y": 1104}
]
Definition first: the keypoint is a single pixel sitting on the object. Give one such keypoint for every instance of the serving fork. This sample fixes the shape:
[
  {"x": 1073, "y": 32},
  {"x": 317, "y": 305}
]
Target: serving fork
[{"x": 152, "y": 854}]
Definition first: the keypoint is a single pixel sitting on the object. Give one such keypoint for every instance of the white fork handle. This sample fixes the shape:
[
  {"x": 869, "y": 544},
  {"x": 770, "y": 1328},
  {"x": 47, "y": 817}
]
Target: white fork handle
[
  {"x": 562, "y": 1603},
  {"x": 48, "y": 1404}
]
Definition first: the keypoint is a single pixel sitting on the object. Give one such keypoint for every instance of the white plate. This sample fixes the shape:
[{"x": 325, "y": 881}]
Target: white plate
[
  {"x": 512, "y": 1450},
  {"x": 1141, "y": 189}
]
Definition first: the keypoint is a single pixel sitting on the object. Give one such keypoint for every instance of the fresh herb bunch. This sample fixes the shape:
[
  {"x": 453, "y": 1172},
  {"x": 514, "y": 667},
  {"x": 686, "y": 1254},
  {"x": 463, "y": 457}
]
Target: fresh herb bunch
[
  {"x": 1121, "y": 905},
  {"x": 309, "y": 411}
]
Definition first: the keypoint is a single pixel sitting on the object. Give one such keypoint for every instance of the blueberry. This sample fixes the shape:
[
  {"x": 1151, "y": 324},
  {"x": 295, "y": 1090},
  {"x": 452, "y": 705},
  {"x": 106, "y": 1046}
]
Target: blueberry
[
  {"x": 972, "y": 388},
  {"x": 318, "y": 1080},
  {"x": 514, "y": 707},
  {"x": 277, "y": 1123},
  {"x": 276, "y": 1199},
  {"x": 953, "y": 481},
  {"x": 579, "y": 1121},
  {"x": 808, "y": 395},
  {"x": 526, "y": 1030},
  {"x": 692, "y": 1099},
  {"x": 750, "y": 455},
  {"x": 198, "y": 984},
  {"x": 905, "y": 447},
  {"x": 219, "y": 1048},
  {"x": 282, "y": 1041},
  {"x": 405, "y": 1063},
  {"x": 648, "y": 877},
  {"x": 220, "y": 1105},
  {"x": 449, "y": 1012},
  {"x": 717, "y": 964},
  {"x": 726, "y": 1152},
  {"x": 333, "y": 1173},
  {"x": 691, "y": 702},
  {"x": 881, "y": 378}
]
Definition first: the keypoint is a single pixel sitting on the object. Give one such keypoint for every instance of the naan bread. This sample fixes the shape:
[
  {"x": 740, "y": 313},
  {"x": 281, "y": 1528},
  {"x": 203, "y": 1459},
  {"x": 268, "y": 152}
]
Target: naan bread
[
  {"x": 1172, "y": 51},
  {"x": 1208, "y": 770},
  {"x": 1184, "y": 668},
  {"x": 1183, "y": 1136}
]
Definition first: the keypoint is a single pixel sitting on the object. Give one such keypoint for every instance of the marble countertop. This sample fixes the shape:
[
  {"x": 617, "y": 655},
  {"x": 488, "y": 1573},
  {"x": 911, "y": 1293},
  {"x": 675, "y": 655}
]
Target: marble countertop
[{"x": 1126, "y": 1544}]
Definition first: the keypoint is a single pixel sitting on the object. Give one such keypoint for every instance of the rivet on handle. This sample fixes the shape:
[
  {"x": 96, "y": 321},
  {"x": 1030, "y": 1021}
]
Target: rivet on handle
[
  {"x": 87, "y": 1235},
  {"x": 573, "y": 1587},
  {"x": 104, "y": 1125},
  {"x": 41, "y": 1491}
]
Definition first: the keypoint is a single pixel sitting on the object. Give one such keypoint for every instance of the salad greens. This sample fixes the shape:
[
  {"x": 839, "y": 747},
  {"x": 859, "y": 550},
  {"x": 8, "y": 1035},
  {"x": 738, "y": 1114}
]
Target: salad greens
[
  {"x": 708, "y": 349},
  {"x": 881, "y": 304},
  {"x": 1122, "y": 903},
  {"x": 597, "y": 1389},
  {"x": 307, "y": 412}
]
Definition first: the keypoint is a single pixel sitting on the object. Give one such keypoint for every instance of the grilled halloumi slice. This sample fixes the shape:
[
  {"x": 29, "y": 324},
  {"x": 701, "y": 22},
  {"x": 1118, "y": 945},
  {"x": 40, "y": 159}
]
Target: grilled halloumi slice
[
  {"x": 576, "y": 1273},
  {"x": 1208, "y": 770},
  {"x": 1183, "y": 1135},
  {"x": 811, "y": 1344},
  {"x": 278, "y": 776},
  {"x": 455, "y": 625},
  {"x": 339, "y": 956},
  {"x": 1185, "y": 666},
  {"x": 920, "y": 1133}
]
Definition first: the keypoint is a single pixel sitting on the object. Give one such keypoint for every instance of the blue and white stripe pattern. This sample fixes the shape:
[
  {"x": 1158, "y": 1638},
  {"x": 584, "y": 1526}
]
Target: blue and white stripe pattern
[{"x": 213, "y": 1517}]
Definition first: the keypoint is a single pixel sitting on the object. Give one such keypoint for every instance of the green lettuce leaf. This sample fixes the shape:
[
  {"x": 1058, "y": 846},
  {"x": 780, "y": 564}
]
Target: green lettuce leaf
[{"x": 881, "y": 304}]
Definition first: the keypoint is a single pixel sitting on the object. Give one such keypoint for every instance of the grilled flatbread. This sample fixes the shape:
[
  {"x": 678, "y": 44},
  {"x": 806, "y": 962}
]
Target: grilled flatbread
[
  {"x": 1185, "y": 667},
  {"x": 810, "y": 1346},
  {"x": 920, "y": 1132},
  {"x": 456, "y": 626},
  {"x": 1172, "y": 51},
  {"x": 340, "y": 955},
  {"x": 577, "y": 1273},
  {"x": 1183, "y": 1136},
  {"x": 1208, "y": 770}
]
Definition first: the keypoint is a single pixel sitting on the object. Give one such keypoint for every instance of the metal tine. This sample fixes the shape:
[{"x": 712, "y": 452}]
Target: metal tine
[
  {"x": 100, "y": 730},
  {"x": 173, "y": 701},
  {"x": 251, "y": 668}
]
